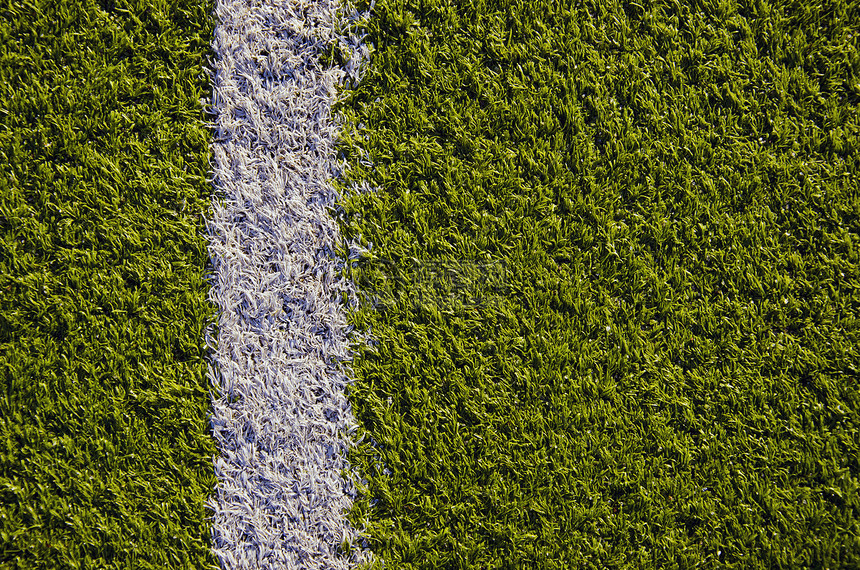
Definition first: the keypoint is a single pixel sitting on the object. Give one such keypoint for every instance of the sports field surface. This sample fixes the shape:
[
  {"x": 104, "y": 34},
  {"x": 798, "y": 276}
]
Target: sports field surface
[
  {"x": 105, "y": 445},
  {"x": 569, "y": 285},
  {"x": 668, "y": 376}
]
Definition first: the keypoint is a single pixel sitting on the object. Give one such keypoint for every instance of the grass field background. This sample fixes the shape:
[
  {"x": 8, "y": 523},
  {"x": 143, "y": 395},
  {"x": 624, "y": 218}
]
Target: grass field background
[
  {"x": 612, "y": 280},
  {"x": 669, "y": 375},
  {"x": 105, "y": 449}
]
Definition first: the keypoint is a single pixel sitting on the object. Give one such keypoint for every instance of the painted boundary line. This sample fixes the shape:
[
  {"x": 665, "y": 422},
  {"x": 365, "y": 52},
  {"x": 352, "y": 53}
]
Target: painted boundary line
[{"x": 280, "y": 416}]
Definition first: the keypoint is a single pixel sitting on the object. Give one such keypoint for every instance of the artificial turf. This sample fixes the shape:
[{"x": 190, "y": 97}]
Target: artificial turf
[
  {"x": 105, "y": 451},
  {"x": 668, "y": 374}
]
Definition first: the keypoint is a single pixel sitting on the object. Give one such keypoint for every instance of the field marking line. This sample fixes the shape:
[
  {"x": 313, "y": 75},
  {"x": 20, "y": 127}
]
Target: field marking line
[{"x": 281, "y": 420}]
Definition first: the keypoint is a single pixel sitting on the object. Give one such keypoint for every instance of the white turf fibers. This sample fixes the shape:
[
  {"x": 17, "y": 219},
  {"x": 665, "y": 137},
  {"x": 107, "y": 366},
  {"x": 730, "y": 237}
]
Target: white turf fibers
[{"x": 281, "y": 420}]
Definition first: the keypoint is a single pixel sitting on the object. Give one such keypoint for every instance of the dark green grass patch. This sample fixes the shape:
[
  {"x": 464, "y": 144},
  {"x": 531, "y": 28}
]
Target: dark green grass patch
[
  {"x": 669, "y": 375},
  {"x": 105, "y": 454}
]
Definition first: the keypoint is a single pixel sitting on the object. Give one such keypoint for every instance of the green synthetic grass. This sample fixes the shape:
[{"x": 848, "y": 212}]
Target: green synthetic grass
[
  {"x": 669, "y": 376},
  {"x": 105, "y": 451}
]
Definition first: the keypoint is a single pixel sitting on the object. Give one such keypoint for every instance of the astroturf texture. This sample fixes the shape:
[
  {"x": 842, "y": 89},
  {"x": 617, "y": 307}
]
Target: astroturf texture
[
  {"x": 668, "y": 376},
  {"x": 105, "y": 450}
]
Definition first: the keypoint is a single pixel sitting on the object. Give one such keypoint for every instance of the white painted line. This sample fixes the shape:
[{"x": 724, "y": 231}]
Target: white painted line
[{"x": 280, "y": 416}]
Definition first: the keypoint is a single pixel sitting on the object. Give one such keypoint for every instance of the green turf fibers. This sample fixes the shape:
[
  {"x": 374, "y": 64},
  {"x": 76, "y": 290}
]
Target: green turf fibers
[
  {"x": 105, "y": 453},
  {"x": 669, "y": 376}
]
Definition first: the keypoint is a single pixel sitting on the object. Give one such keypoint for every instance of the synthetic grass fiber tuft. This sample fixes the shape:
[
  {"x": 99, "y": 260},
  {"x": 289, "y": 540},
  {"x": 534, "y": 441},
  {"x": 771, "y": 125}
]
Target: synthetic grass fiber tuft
[{"x": 667, "y": 375}]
